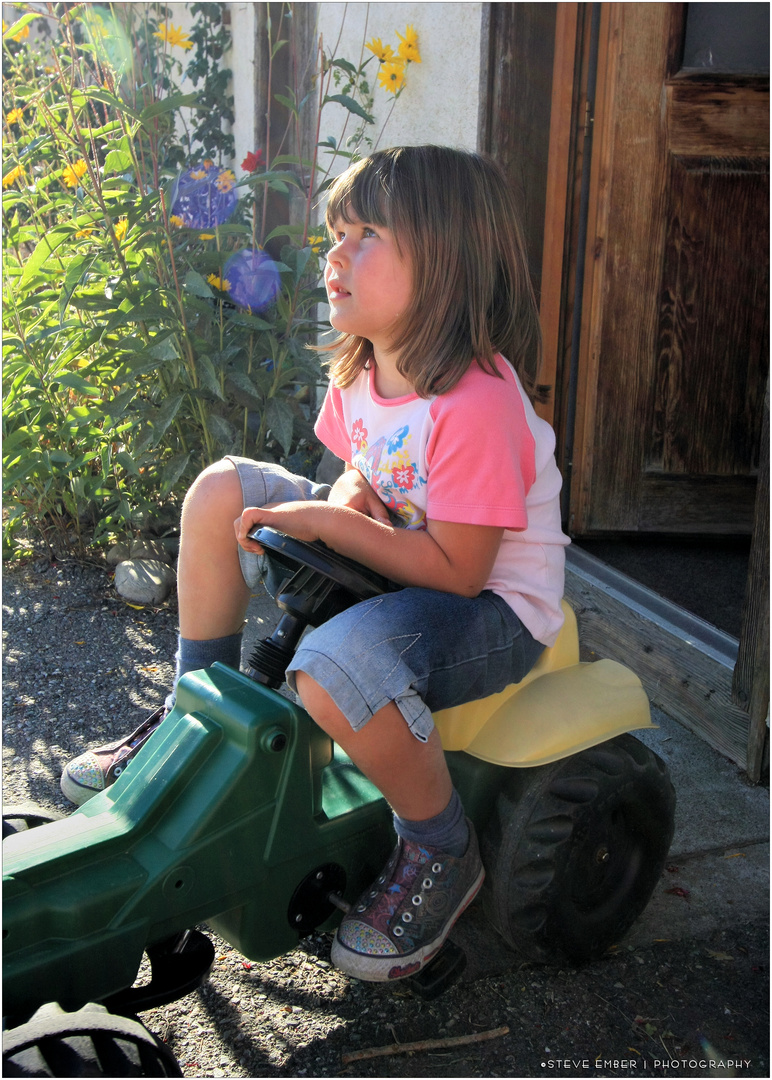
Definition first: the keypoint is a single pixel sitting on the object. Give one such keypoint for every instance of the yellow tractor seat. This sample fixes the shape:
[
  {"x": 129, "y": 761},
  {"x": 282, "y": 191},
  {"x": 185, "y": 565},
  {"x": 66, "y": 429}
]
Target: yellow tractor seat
[{"x": 559, "y": 708}]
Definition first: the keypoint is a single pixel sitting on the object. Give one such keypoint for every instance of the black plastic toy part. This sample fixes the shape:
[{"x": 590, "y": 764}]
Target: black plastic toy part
[
  {"x": 440, "y": 973},
  {"x": 89, "y": 1042},
  {"x": 178, "y": 966},
  {"x": 319, "y": 583}
]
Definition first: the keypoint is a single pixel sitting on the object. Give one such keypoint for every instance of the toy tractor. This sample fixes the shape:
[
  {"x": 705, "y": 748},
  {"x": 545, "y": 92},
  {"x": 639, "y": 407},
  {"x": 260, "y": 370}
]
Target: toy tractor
[{"x": 239, "y": 812}]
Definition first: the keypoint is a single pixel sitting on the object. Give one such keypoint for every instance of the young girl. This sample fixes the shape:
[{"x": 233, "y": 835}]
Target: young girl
[{"x": 450, "y": 489}]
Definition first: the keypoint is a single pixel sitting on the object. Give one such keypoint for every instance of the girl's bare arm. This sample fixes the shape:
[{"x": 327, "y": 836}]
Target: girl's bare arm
[{"x": 446, "y": 555}]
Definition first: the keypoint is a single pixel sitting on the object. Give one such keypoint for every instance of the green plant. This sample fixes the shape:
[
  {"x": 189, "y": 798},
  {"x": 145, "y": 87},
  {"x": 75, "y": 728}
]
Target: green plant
[{"x": 157, "y": 308}]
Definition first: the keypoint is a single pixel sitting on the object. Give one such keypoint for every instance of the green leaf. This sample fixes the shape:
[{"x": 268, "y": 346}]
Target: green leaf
[
  {"x": 287, "y": 102},
  {"x": 127, "y": 462},
  {"x": 244, "y": 384},
  {"x": 118, "y": 161},
  {"x": 76, "y": 382},
  {"x": 281, "y": 421},
  {"x": 345, "y": 65},
  {"x": 31, "y": 147},
  {"x": 349, "y": 103},
  {"x": 208, "y": 376},
  {"x": 173, "y": 472},
  {"x": 95, "y": 93},
  {"x": 19, "y": 25},
  {"x": 164, "y": 416},
  {"x": 174, "y": 101},
  {"x": 224, "y": 433},
  {"x": 196, "y": 285},
  {"x": 164, "y": 348},
  {"x": 45, "y": 248},
  {"x": 116, "y": 407},
  {"x": 60, "y": 457}
]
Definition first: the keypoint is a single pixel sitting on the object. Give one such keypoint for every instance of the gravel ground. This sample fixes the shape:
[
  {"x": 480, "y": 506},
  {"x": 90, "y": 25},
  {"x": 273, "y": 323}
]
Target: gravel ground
[{"x": 81, "y": 666}]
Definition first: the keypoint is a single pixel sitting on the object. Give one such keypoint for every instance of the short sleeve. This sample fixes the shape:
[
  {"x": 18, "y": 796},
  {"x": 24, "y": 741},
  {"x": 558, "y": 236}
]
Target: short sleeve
[
  {"x": 481, "y": 453},
  {"x": 330, "y": 427}
]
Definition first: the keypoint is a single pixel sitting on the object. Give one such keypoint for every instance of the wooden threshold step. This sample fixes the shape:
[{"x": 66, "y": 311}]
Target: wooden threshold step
[{"x": 684, "y": 663}]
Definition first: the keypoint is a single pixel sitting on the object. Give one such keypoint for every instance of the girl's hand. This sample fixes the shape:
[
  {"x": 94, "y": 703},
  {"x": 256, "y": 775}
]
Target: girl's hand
[
  {"x": 298, "y": 519},
  {"x": 351, "y": 489}
]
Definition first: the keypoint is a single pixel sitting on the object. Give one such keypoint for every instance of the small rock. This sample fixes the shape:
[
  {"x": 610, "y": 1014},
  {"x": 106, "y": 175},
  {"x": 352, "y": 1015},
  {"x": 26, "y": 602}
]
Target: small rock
[
  {"x": 144, "y": 581},
  {"x": 147, "y": 548},
  {"x": 118, "y": 553}
]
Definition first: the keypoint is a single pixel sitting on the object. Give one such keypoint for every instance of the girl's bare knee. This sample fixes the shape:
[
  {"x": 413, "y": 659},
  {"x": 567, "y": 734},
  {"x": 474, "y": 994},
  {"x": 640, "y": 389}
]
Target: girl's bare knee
[{"x": 215, "y": 492}]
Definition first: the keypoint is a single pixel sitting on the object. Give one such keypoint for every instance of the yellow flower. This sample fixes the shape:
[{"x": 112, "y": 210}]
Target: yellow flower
[
  {"x": 206, "y": 236},
  {"x": 96, "y": 25},
  {"x": 219, "y": 283},
  {"x": 82, "y": 234},
  {"x": 120, "y": 229},
  {"x": 198, "y": 174},
  {"x": 176, "y": 221},
  {"x": 13, "y": 176},
  {"x": 383, "y": 52},
  {"x": 23, "y": 33},
  {"x": 408, "y": 46},
  {"x": 14, "y": 116},
  {"x": 226, "y": 180},
  {"x": 392, "y": 77},
  {"x": 73, "y": 173},
  {"x": 174, "y": 36}
]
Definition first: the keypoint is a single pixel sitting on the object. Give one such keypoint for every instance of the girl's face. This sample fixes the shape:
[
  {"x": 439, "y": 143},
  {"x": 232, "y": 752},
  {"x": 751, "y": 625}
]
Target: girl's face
[{"x": 369, "y": 284}]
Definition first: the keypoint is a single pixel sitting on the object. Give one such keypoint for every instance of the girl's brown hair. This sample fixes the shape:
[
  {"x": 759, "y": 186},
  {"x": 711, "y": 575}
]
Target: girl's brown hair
[{"x": 454, "y": 218}]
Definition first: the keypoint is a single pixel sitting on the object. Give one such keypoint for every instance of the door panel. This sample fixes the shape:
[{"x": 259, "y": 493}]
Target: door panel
[{"x": 674, "y": 350}]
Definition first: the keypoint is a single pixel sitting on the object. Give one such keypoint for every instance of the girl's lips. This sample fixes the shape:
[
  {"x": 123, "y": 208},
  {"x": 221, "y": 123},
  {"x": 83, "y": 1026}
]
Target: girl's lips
[{"x": 336, "y": 291}]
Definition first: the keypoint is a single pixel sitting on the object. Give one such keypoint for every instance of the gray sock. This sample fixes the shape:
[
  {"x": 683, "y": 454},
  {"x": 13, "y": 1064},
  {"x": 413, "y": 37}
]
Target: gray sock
[
  {"x": 194, "y": 655},
  {"x": 448, "y": 832}
]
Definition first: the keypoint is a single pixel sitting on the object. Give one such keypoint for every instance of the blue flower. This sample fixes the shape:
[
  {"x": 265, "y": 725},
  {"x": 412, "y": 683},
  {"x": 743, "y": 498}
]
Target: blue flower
[
  {"x": 254, "y": 279},
  {"x": 204, "y": 196},
  {"x": 397, "y": 439}
]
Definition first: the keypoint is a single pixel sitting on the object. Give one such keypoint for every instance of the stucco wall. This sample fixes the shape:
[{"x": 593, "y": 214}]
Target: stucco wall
[{"x": 440, "y": 101}]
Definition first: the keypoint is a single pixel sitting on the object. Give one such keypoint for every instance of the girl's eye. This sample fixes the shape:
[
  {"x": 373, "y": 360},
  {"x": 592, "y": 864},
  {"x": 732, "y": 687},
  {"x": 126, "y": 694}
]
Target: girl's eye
[{"x": 367, "y": 231}]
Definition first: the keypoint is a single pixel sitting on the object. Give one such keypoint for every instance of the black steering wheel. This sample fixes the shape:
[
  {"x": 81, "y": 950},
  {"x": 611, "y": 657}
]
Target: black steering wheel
[
  {"x": 292, "y": 554},
  {"x": 318, "y": 585}
]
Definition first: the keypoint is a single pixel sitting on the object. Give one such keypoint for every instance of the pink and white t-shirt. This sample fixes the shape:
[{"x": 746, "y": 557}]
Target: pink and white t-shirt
[{"x": 477, "y": 455}]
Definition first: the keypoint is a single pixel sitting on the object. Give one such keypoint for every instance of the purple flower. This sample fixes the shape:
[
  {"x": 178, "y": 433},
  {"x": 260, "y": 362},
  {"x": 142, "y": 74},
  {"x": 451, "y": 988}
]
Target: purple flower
[
  {"x": 204, "y": 196},
  {"x": 254, "y": 279}
]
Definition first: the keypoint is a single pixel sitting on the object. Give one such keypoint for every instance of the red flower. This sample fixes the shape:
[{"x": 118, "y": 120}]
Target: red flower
[
  {"x": 252, "y": 161},
  {"x": 358, "y": 434},
  {"x": 404, "y": 476}
]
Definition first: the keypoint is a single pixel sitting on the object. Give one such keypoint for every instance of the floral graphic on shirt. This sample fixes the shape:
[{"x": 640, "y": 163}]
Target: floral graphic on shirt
[
  {"x": 397, "y": 439},
  {"x": 359, "y": 435},
  {"x": 403, "y": 473},
  {"x": 387, "y": 465}
]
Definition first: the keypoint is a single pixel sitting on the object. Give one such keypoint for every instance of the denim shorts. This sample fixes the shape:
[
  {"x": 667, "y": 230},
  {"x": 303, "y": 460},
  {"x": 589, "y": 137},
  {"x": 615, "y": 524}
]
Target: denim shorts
[{"x": 423, "y": 649}]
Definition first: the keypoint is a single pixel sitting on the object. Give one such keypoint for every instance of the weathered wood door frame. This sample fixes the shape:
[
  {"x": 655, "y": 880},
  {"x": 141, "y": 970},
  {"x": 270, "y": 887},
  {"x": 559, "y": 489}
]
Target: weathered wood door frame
[{"x": 576, "y": 122}]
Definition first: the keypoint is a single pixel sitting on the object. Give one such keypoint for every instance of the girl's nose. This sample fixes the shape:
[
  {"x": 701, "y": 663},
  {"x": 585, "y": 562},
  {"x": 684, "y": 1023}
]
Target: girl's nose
[{"x": 337, "y": 253}]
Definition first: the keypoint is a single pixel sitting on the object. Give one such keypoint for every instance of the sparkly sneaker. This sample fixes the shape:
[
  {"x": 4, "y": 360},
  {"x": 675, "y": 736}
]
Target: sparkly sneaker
[
  {"x": 403, "y": 919},
  {"x": 92, "y": 772}
]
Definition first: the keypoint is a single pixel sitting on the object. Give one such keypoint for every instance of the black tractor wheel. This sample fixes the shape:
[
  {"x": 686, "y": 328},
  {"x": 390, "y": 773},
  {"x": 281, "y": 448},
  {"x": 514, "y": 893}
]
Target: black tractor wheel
[
  {"x": 89, "y": 1042},
  {"x": 574, "y": 850},
  {"x": 18, "y": 817}
]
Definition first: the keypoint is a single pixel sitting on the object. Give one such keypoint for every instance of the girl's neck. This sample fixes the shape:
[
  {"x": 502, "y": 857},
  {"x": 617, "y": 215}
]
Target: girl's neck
[{"x": 389, "y": 383}]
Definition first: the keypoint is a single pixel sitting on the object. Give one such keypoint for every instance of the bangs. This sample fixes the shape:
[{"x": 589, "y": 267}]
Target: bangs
[{"x": 361, "y": 192}]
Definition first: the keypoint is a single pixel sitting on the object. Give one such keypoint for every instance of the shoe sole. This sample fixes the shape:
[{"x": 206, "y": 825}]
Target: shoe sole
[
  {"x": 390, "y": 968},
  {"x": 75, "y": 792}
]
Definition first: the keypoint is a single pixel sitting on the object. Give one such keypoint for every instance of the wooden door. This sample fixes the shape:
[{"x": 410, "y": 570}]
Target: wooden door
[{"x": 673, "y": 352}]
